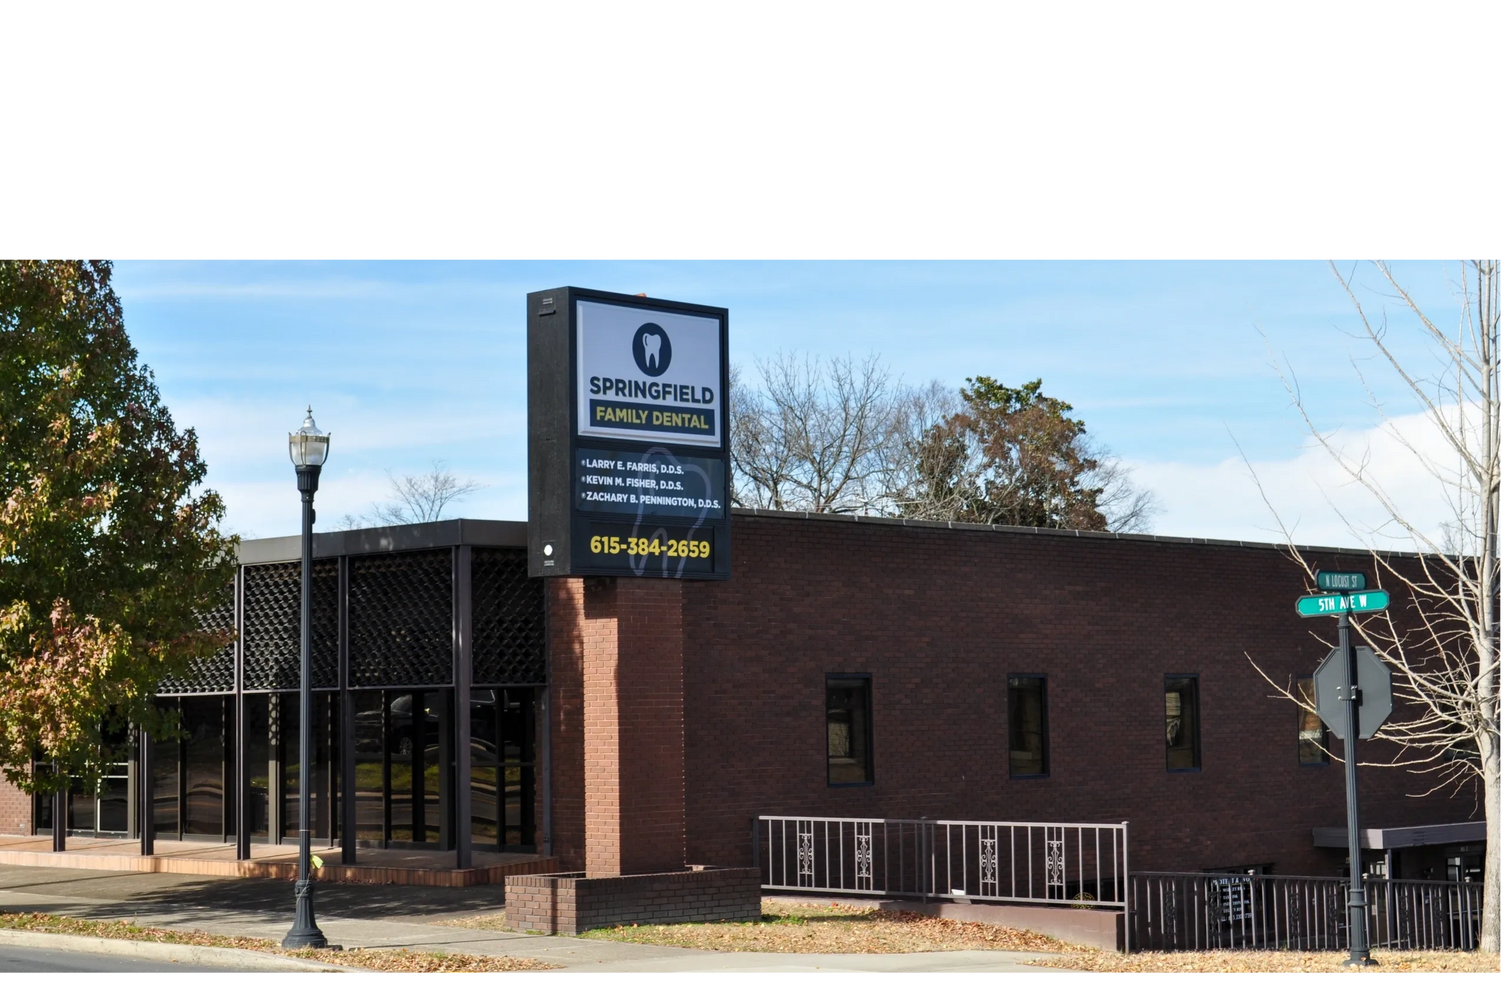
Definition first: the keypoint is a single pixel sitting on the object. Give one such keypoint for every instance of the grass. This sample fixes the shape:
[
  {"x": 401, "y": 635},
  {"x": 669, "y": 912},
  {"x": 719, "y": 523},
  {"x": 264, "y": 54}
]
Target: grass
[
  {"x": 797, "y": 927},
  {"x": 1272, "y": 961},
  {"x": 379, "y": 960},
  {"x": 836, "y": 929}
]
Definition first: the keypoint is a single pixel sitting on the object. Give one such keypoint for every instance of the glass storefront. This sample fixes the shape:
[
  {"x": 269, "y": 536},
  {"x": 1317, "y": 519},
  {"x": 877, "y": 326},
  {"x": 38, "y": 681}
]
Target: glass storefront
[
  {"x": 404, "y": 771},
  {"x": 101, "y": 809}
]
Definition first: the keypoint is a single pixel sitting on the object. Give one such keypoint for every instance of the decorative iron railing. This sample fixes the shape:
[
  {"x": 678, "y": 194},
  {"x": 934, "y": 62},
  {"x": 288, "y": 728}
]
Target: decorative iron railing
[
  {"x": 1083, "y": 865},
  {"x": 1182, "y": 911}
]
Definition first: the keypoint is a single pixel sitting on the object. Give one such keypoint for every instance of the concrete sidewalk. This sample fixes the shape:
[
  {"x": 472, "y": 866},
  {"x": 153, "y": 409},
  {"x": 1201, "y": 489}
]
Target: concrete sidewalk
[{"x": 372, "y": 916}]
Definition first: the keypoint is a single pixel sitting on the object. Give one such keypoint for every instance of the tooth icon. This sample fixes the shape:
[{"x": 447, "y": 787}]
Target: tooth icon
[{"x": 651, "y": 347}]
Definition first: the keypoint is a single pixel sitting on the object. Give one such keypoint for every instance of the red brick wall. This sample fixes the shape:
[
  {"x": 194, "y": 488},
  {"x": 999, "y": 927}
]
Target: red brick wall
[
  {"x": 570, "y": 904},
  {"x": 567, "y": 720},
  {"x": 940, "y": 617},
  {"x": 15, "y": 809},
  {"x": 617, "y": 690}
]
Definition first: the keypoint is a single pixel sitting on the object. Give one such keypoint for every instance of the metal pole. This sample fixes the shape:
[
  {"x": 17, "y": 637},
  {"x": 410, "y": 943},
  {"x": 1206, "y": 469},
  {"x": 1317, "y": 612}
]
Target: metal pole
[
  {"x": 305, "y": 933},
  {"x": 1359, "y": 943}
]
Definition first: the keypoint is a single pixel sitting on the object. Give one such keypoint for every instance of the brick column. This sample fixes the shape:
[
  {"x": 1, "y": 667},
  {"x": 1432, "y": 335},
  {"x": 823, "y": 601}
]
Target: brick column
[{"x": 633, "y": 673}]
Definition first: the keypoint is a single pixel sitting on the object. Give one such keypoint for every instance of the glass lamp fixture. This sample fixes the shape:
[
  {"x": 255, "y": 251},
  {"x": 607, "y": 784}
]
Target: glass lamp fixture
[{"x": 308, "y": 446}]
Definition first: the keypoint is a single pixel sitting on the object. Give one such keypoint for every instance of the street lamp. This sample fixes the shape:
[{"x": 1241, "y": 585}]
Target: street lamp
[{"x": 308, "y": 446}]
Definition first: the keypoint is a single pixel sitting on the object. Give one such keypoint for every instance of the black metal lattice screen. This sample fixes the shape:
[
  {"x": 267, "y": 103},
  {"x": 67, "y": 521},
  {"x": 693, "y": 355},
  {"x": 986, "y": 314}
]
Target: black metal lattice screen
[
  {"x": 507, "y": 619},
  {"x": 271, "y": 625},
  {"x": 401, "y": 629},
  {"x": 214, "y": 673}
]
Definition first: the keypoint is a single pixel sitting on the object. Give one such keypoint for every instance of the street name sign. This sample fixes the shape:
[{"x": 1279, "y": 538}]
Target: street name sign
[
  {"x": 1331, "y": 680},
  {"x": 1340, "y": 581},
  {"x": 1314, "y": 605}
]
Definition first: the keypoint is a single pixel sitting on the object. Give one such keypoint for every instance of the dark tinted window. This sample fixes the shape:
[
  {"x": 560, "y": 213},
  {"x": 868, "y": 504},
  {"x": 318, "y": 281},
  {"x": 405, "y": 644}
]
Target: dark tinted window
[
  {"x": 1183, "y": 746},
  {"x": 1027, "y": 726},
  {"x": 1312, "y": 735},
  {"x": 849, "y": 737}
]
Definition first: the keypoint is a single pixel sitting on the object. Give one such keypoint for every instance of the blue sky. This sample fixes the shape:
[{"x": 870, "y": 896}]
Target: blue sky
[{"x": 1169, "y": 363}]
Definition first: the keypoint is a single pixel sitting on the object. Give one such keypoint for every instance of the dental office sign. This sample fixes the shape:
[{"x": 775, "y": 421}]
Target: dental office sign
[
  {"x": 627, "y": 457},
  {"x": 648, "y": 375}
]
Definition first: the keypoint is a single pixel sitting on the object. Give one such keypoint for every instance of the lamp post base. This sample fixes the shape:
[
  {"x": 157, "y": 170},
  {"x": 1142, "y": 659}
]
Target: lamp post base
[
  {"x": 1362, "y": 962},
  {"x": 305, "y": 933}
]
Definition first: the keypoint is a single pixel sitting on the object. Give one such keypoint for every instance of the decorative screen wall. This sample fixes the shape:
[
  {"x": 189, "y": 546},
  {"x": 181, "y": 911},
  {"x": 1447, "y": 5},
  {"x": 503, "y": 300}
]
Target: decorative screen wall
[
  {"x": 213, "y": 674},
  {"x": 401, "y": 626},
  {"x": 271, "y": 623},
  {"x": 507, "y": 619}
]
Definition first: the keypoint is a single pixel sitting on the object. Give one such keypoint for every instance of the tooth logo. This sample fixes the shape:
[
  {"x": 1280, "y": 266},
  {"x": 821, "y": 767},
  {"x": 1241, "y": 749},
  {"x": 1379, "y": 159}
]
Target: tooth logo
[{"x": 651, "y": 350}]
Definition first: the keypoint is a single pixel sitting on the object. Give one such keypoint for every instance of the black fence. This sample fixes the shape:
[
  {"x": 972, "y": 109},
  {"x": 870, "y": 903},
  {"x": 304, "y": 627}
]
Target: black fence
[{"x": 1183, "y": 911}]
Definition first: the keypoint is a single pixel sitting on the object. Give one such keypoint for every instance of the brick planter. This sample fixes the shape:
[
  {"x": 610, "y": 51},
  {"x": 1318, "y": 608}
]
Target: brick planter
[{"x": 570, "y": 903}]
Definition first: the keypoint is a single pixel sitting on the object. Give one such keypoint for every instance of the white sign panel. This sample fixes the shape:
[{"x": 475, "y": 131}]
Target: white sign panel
[{"x": 646, "y": 375}]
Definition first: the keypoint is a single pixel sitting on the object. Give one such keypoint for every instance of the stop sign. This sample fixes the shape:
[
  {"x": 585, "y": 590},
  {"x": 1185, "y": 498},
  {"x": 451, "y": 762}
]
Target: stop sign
[{"x": 1331, "y": 680}]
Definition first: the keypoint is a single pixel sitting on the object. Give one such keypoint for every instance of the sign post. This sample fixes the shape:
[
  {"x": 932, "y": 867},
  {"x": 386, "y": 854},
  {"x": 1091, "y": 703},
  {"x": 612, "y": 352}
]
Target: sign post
[{"x": 1350, "y": 695}]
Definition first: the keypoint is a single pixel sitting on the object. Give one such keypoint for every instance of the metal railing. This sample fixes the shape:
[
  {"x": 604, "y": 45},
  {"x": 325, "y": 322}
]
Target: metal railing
[
  {"x": 1083, "y": 865},
  {"x": 1185, "y": 911}
]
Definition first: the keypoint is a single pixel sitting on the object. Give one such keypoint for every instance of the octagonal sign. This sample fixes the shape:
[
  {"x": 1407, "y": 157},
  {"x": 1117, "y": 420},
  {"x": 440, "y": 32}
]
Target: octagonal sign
[{"x": 1330, "y": 680}]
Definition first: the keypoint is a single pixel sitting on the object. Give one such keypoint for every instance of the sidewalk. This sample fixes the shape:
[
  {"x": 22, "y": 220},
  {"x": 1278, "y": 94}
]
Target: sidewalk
[
  {"x": 374, "y": 916},
  {"x": 279, "y": 861}
]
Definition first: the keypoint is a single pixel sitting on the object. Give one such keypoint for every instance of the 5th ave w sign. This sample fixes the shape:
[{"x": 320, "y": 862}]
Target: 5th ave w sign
[{"x": 1314, "y": 605}]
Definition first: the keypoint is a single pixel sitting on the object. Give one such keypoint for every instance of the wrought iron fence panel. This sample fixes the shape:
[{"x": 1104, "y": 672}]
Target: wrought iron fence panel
[
  {"x": 1194, "y": 911},
  {"x": 1074, "y": 864}
]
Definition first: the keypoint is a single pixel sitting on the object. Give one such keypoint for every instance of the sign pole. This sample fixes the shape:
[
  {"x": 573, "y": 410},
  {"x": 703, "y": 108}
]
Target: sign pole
[{"x": 1359, "y": 944}]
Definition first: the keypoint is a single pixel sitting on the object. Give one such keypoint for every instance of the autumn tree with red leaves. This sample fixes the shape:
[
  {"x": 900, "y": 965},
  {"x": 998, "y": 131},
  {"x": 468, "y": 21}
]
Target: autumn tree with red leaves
[{"x": 110, "y": 554}]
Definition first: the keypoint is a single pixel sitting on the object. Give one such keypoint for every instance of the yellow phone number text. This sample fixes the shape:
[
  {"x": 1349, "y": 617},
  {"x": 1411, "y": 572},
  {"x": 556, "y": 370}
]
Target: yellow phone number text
[{"x": 674, "y": 548}]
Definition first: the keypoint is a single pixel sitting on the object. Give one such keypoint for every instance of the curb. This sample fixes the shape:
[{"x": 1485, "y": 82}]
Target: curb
[{"x": 185, "y": 954}]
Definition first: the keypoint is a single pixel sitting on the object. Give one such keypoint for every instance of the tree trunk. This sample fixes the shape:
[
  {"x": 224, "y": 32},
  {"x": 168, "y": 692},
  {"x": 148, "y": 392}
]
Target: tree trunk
[{"x": 1490, "y": 918}]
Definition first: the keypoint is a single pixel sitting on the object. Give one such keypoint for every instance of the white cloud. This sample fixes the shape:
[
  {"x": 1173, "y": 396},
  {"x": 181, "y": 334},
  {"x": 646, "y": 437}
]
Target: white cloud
[{"x": 1313, "y": 496}]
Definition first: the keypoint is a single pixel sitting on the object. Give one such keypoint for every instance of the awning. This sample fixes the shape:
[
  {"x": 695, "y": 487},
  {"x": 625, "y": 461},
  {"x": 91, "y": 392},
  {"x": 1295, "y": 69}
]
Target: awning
[{"x": 1392, "y": 837}]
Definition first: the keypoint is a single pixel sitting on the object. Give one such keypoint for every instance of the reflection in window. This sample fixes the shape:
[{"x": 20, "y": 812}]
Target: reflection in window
[
  {"x": 1027, "y": 726},
  {"x": 1312, "y": 735},
  {"x": 849, "y": 743},
  {"x": 1183, "y": 749}
]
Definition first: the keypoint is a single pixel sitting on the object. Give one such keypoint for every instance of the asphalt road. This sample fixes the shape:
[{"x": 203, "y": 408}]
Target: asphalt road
[{"x": 47, "y": 960}]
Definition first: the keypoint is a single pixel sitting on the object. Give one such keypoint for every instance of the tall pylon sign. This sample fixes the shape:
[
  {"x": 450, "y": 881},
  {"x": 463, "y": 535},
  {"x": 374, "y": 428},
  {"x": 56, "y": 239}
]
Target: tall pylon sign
[{"x": 628, "y": 470}]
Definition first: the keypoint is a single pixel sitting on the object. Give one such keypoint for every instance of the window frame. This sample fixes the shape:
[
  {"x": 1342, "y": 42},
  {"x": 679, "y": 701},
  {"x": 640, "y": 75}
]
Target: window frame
[
  {"x": 868, "y": 749},
  {"x": 1197, "y": 721},
  {"x": 1045, "y": 771}
]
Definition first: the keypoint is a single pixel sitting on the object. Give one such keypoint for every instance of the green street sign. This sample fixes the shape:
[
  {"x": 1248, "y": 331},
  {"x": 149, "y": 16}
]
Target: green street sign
[
  {"x": 1341, "y": 581},
  {"x": 1314, "y": 605}
]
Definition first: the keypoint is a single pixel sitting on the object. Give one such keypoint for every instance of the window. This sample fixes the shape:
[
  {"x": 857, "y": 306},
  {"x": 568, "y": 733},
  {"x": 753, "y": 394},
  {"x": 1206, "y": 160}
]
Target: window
[
  {"x": 1183, "y": 745},
  {"x": 1312, "y": 735},
  {"x": 849, "y": 737},
  {"x": 1027, "y": 727}
]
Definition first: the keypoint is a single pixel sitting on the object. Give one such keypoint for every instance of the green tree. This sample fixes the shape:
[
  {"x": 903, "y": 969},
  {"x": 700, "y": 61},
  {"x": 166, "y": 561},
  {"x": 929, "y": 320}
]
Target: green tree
[
  {"x": 110, "y": 555},
  {"x": 1016, "y": 456}
]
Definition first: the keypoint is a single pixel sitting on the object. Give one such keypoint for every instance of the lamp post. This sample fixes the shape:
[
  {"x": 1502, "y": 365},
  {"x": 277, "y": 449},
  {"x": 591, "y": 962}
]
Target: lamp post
[{"x": 308, "y": 446}]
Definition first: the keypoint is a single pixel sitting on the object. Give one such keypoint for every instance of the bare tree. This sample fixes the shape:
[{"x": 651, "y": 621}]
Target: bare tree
[
  {"x": 1443, "y": 641},
  {"x": 844, "y": 437},
  {"x": 816, "y": 438},
  {"x": 1125, "y": 506},
  {"x": 414, "y": 499}
]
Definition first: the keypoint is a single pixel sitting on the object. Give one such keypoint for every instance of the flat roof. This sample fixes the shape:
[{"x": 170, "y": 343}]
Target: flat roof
[
  {"x": 1391, "y": 837},
  {"x": 514, "y": 534}
]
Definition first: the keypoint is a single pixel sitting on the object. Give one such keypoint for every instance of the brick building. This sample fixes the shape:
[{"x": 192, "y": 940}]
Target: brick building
[{"x": 850, "y": 667}]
